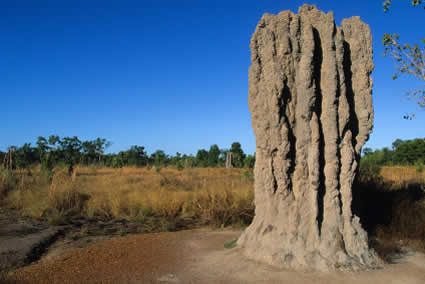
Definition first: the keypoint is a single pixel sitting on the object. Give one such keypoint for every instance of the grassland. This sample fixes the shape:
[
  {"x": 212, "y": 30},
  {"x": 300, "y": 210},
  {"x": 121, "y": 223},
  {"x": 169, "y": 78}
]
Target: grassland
[
  {"x": 213, "y": 196},
  {"x": 391, "y": 205}
]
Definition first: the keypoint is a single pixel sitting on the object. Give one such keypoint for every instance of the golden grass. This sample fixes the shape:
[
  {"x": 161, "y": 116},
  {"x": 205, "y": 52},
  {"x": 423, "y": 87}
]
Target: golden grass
[
  {"x": 216, "y": 196},
  {"x": 402, "y": 176}
]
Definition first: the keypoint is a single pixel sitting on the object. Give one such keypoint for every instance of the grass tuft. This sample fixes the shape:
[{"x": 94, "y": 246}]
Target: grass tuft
[{"x": 231, "y": 244}]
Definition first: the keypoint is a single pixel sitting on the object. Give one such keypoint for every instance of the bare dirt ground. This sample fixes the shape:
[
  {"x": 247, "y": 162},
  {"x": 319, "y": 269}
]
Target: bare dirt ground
[
  {"x": 21, "y": 239},
  {"x": 193, "y": 256},
  {"x": 24, "y": 240}
]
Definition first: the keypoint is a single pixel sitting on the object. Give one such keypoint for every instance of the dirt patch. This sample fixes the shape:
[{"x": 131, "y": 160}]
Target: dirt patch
[
  {"x": 22, "y": 239},
  {"x": 194, "y": 256}
]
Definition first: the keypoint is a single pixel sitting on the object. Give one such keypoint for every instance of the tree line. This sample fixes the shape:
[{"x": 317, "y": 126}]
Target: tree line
[
  {"x": 70, "y": 151},
  {"x": 402, "y": 152}
]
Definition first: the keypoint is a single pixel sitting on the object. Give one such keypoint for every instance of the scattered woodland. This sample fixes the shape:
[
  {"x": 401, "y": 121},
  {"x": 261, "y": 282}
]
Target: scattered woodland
[
  {"x": 167, "y": 193},
  {"x": 68, "y": 152},
  {"x": 64, "y": 180},
  {"x": 402, "y": 153}
]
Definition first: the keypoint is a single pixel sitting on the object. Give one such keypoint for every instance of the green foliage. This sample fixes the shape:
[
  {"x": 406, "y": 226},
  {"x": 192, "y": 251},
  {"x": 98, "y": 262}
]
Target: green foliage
[
  {"x": 136, "y": 156},
  {"x": 408, "y": 152},
  {"x": 231, "y": 244},
  {"x": 68, "y": 152},
  {"x": 238, "y": 155},
  {"x": 201, "y": 159},
  {"x": 249, "y": 161},
  {"x": 419, "y": 166},
  {"x": 409, "y": 58},
  {"x": 159, "y": 158},
  {"x": 404, "y": 152},
  {"x": 177, "y": 160},
  {"x": 180, "y": 165},
  {"x": 25, "y": 156},
  {"x": 387, "y": 4},
  {"x": 93, "y": 151},
  {"x": 369, "y": 171},
  {"x": 117, "y": 162},
  {"x": 213, "y": 156}
]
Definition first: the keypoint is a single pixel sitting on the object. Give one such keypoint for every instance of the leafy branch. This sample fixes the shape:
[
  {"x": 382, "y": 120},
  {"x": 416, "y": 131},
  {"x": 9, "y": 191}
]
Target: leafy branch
[
  {"x": 387, "y": 4},
  {"x": 410, "y": 59}
]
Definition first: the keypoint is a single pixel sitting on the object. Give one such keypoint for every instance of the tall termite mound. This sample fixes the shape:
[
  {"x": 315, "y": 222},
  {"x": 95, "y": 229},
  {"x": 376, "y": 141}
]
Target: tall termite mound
[{"x": 310, "y": 97}]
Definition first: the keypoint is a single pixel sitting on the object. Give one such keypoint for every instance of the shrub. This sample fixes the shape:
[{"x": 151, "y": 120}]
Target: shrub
[
  {"x": 180, "y": 165},
  {"x": 419, "y": 166},
  {"x": 369, "y": 172},
  {"x": 8, "y": 182}
]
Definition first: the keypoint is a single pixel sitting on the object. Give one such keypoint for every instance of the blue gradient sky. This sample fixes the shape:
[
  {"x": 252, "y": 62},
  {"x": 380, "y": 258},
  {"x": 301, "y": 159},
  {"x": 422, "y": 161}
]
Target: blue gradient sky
[{"x": 170, "y": 75}]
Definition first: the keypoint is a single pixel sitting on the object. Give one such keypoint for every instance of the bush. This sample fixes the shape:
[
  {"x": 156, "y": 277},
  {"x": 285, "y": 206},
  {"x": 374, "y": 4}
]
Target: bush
[
  {"x": 419, "y": 166},
  {"x": 369, "y": 172},
  {"x": 180, "y": 165},
  {"x": 8, "y": 182}
]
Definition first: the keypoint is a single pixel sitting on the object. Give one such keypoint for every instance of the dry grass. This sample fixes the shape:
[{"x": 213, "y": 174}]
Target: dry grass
[
  {"x": 391, "y": 206},
  {"x": 216, "y": 196},
  {"x": 402, "y": 176}
]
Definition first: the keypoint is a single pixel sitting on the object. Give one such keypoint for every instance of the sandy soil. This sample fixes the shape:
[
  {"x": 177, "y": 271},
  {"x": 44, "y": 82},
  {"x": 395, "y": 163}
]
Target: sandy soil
[{"x": 194, "y": 256}]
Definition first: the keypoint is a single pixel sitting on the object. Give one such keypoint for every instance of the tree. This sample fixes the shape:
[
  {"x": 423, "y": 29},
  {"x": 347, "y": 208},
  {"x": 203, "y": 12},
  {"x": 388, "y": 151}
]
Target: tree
[
  {"x": 42, "y": 145},
  {"x": 45, "y": 155},
  {"x": 238, "y": 155},
  {"x": 159, "y": 158},
  {"x": 177, "y": 161},
  {"x": 397, "y": 143},
  {"x": 367, "y": 151},
  {"x": 100, "y": 146},
  {"x": 201, "y": 159},
  {"x": 2, "y": 155},
  {"x": 118, "y": 161},
  {"x": 136, "y": 156},
  {"x": 404, "y": 152},
  {"x": 213, "y": 155},
  {"x": 88, "y": 149},
  {"x": 70, "y": 150},
  {"x": 25, "y": 156},
  {"x": 54, "y": 154},
  {"x": 410, "y": 58},
  {"x": 410, "y": 151},
  {"x": 249, "y": 161}
]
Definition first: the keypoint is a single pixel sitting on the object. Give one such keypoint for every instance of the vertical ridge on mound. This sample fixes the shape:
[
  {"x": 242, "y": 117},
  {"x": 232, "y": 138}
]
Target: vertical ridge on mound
[{"x": 310, "y": 97}]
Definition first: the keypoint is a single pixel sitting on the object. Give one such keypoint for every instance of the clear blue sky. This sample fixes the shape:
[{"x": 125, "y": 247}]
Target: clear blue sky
[{"x": 170, "y": 75}]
